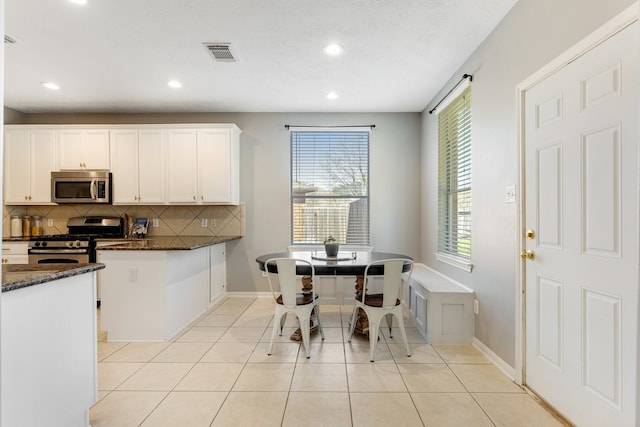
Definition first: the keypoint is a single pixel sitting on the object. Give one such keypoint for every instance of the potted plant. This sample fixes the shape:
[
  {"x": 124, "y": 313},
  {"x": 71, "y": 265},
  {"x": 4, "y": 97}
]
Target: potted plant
[{"x": 331, "y": 246}]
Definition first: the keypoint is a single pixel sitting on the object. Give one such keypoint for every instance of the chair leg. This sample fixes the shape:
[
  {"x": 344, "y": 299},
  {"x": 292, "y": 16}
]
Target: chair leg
[
  {"x": 305, "y": 327},
  {"x": 278, "y": 320},
  {"x": 282, "y": 320},
  {"x": 389, "y": 318},
  {"x": 317, "y": 310},
  {"x": 353, "y": 322},
  {"x": 374, "y": 327},
  {"x": 403, "y": 333}
]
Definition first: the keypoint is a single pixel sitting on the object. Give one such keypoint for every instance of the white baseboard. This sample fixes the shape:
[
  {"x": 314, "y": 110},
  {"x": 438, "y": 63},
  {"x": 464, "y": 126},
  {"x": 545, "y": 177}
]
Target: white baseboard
[
  {"x": 250, "y": 294},
  {"x": 501, "y": 364}
]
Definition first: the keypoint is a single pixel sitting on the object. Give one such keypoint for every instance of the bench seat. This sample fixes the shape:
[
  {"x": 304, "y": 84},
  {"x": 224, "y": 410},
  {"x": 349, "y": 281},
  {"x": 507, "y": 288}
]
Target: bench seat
[{"x": 441, "y": 308}]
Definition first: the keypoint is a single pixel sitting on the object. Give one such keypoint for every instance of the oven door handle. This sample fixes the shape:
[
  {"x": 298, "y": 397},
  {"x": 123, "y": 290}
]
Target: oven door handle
[{"x": 58, "y": 251}]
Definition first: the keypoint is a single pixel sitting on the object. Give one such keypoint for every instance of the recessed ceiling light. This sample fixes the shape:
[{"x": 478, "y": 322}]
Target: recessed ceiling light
[
  {"x": 332, "y": 95},
  {"x": 174, "y": 84},
  {"x": 51, "y": 85},
  {"x": 78, "y": 1},
  {"x": 333, "y": 49}
]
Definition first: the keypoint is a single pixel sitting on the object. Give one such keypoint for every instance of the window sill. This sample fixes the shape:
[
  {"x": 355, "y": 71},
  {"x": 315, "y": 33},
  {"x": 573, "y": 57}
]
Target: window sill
[{"x": 460, "y": 263}]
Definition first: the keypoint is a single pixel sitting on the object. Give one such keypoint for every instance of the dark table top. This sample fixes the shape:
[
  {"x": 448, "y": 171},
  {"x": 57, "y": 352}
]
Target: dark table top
[{"x": 347, "y": 263}]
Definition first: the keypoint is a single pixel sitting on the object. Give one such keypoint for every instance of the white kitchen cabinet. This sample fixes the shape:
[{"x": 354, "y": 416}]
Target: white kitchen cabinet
[
  {"x": 29, "y": 158},
  {"x": 49, "y": 353},
  {"x": 83, "y": 148},
  {"x": 182, "y": 172},
  {"x": 218, "y": 166},
  {"x": 217, "y": 272},
  {"x": 152, "y": 295},
  {"x": 203, "y": 166},
  {"x": 15, "y": 253},
  {"x": 137, "y": 164}
]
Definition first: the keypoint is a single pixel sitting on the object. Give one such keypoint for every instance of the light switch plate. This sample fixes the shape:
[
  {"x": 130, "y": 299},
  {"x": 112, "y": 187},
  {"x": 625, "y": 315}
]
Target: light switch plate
[{"x": 510, "y": 194}]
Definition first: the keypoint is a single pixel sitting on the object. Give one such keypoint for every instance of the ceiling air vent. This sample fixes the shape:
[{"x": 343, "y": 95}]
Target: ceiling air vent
[
  {"x": 220, "y": 51},
  {"x": 8, "y": 39}
]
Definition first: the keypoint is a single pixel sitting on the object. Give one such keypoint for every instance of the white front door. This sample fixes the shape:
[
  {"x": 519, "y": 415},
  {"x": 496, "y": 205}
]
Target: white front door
[{"x": 581, "y": 202}]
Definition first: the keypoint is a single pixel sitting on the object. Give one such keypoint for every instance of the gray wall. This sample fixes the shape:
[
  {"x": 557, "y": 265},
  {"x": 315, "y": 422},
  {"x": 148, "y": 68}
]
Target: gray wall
[
  {"x": 532, "y": 34},
  {"x": 264, "y": 179}
]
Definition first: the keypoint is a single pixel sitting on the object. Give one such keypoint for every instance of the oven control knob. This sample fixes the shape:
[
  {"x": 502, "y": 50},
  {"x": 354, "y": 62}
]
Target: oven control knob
[
  {"x": 36, "y": 244},
  {"x": 43, "y": 244}
]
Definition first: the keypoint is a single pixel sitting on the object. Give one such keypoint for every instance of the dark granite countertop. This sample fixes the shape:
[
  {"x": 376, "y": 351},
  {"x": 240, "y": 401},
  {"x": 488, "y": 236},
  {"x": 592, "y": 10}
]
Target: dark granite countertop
[
  {"x": 166, "y": 243},
  {"x": 17, "y": 276}
]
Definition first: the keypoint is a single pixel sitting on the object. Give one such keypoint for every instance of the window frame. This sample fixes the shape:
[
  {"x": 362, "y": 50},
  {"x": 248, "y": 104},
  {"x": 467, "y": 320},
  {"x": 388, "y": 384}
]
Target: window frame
[
  {"x": 450, "y": 250},
  {"x": 301, "y": 136}
]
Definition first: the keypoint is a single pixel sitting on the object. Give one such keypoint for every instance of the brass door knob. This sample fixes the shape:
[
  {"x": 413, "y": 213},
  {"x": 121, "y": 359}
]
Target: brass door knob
[
  {"x": 530, "y": 234},
  {"x": 528, "y": 254}
]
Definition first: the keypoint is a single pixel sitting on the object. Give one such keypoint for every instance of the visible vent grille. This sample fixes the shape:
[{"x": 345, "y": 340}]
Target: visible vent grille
[
  {"x": 220, "y": 52},
  {"x": 8, "y": 39}
]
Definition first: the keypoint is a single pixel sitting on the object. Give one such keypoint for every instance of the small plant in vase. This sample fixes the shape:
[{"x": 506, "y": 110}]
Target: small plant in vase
[{"x": 331, "y": 246}]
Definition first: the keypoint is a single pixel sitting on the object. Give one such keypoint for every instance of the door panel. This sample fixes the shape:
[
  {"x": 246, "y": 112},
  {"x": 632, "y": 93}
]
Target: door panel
[{"x": 581, "y": 198}]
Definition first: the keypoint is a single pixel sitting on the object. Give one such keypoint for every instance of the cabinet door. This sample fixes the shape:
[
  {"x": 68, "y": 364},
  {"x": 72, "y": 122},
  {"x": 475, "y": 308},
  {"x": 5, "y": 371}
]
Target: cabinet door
[
  {"x": 16, "y": 167},
  {"x": 96, "y": 149},
  {"x": 124, "y": 166},
  {"x": 218, "y": 272},
  {"x": 70, "y": 149},
  {"x": 214, "y": 174},
  {"x": 43, "y": 146},
  {"x": 151, "y": 164},
  {"x": 83, "y": 149},
  {"x": 182, "y": 170}
]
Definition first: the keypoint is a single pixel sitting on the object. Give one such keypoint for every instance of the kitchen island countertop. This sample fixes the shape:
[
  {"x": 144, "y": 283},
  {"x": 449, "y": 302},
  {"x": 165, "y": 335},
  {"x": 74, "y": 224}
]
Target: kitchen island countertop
[
  {"x": 17, "y": 276},
  {"x": 166, "y": 243}
]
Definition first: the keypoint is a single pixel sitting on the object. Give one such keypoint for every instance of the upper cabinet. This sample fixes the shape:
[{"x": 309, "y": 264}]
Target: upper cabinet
[
  {"x": 80, "y": 149},
  {"x": 137, "y": 166},
  {"x": 180, "y": 164},
  {"x": 203, "y": 165},
  {"x": 29, "y": 158}
]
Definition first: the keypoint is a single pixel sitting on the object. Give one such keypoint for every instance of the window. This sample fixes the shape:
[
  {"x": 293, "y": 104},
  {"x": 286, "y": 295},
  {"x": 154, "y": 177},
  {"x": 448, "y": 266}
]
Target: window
[
  {"x": 330, "y": 186},
  {"x": 454, "y": 181}
]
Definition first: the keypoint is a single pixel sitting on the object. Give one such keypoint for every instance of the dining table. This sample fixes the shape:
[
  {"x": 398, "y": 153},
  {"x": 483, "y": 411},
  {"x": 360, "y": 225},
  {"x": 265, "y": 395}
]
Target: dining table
[{"x": 345, "y": 263}]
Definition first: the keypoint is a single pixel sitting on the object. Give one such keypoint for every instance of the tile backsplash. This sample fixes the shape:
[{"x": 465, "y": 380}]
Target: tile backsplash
[{"x": 172, "y": 220}]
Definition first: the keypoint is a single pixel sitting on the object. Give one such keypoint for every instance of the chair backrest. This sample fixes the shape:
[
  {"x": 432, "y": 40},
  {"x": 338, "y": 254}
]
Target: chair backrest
[
  {"x": 392, "y": 279},
  {"x": 286, "y": 270}
]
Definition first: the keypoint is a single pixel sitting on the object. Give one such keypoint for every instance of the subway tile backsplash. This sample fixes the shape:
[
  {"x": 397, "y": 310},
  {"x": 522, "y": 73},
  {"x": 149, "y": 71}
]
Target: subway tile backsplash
[{"x": 172, "y": 220}]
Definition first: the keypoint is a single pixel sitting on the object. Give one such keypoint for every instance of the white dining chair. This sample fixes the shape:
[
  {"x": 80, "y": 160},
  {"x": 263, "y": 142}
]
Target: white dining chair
[
  {"x": 290, "y": 300},
  {"x": 385, "y": 304}
]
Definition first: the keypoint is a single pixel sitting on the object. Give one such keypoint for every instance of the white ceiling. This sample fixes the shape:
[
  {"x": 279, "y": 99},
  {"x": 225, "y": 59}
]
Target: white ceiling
[{"x": 117, "y": 55}]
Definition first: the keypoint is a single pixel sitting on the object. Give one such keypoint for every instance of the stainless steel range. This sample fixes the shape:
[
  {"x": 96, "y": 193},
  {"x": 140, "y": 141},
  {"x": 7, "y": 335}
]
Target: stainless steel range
[{"x": 79, "y": 245}]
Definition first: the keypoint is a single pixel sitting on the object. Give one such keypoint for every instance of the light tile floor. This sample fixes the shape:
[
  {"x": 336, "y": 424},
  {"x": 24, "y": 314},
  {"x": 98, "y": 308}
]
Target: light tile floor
[{"x": 217, "y": 373}]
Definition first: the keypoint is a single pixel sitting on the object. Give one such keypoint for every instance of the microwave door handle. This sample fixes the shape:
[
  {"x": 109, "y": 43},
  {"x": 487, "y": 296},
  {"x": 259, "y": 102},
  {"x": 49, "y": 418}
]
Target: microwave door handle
[{"x": 93, "y": 187}]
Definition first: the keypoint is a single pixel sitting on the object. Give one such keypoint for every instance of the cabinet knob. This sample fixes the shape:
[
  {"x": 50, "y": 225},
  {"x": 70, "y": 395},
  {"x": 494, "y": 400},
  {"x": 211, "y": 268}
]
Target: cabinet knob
[{"x": 194, "y": 197}]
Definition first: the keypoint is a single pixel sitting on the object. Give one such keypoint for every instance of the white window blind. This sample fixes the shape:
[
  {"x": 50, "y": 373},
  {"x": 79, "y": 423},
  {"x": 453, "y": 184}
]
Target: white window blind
[
  {"x": 454, "y": 177},
  {"x": 329, "y": 186}
]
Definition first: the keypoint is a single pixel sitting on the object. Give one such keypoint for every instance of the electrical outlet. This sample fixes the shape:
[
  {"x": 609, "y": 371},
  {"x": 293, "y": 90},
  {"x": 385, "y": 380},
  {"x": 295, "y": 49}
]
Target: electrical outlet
[
  {"x": 476, "y": 306},
  {"x": 155, "y": 222},
  {"x": 204, "y": 222},
  {"x": 213, "y": 222},
  {"x": 49, "y": 222}
]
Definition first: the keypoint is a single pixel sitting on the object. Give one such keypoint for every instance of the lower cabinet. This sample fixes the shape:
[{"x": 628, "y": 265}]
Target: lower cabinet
[
  {"x": 15, "y": 253},
  {"x": 49, "y": 353},
  {"x": 153, "y": 295}
]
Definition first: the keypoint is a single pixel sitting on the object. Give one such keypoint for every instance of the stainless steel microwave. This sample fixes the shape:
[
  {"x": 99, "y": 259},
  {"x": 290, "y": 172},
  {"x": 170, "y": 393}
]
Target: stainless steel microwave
[{"x": 87, "y": 186}]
